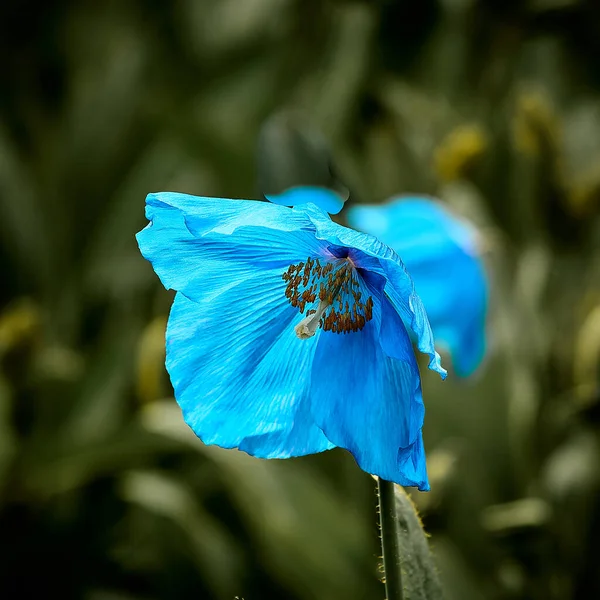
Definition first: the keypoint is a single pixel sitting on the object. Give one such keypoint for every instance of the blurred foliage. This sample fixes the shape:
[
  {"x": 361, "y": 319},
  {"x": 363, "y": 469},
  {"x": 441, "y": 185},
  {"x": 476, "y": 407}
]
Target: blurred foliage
[{"x": 492, "y": 105}]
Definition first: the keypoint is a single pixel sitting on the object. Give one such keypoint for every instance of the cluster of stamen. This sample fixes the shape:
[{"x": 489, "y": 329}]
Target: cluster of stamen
[{"x": 340, "y": 309}]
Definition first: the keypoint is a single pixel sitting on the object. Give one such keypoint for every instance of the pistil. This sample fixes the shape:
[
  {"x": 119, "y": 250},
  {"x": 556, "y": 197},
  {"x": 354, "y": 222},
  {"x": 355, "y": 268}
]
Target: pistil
[{"x": 308, "y": 326}]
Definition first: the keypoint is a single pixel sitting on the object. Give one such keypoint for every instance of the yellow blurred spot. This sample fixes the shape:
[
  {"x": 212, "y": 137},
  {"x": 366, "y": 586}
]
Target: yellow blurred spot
[
  {"x": 59, "y": 363},
  {"x": 459, "y": 150},
  {"x": 442, "y": 464},
  {"x": 526, "y": 512},
  {"x": 584, "y": 193},
  {"x": 587, "y": 356},
  {"x": 19, "y": 324},
  {"x": 534, "y": 124},
  {"x": 151, "y": 360}
]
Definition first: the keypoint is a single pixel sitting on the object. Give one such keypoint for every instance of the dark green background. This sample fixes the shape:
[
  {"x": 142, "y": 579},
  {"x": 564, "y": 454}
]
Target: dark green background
[{"x": 493, "y": 106}]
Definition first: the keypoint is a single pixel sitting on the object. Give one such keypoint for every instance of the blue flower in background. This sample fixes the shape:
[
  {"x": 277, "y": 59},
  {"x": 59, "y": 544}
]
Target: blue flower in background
[
  {"x": 323, "y": 197},
  {"x": 288, "y": 333},
  {"x": 441, "y": 254}
]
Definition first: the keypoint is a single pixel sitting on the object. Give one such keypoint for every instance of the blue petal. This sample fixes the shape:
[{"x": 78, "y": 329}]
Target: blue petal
[
  {"x": 440, "y": 252},
  {"x": 381, "y": 259},
  {"x": 238, "y": 369},
  {"x": 240, "y": 373},
  {"x": 325, "y": 198},
  {"x": 416, "y": 223},
  {"x": 366, "y": 396},
  {"x": 196, "y": 245}
]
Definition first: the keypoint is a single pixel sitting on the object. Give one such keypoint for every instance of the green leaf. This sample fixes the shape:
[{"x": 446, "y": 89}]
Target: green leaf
[{"x": 419, "y": 574}]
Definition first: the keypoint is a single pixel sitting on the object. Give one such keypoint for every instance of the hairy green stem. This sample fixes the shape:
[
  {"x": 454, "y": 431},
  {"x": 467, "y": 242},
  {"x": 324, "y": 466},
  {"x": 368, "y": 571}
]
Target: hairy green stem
[{"x": 390, "y": 540}]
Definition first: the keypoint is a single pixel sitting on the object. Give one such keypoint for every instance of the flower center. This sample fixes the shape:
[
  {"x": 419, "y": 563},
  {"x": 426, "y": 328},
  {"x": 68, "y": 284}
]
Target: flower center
[{"x": 339, "y": 291}]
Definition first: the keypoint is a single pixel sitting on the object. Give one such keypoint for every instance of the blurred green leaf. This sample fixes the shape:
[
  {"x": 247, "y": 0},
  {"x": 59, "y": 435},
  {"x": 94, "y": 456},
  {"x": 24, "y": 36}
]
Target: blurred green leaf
[
  {"x": 214, "y": 549},
  {"x": 47, "y": 469},
  {"x": 419, "y": 574}
]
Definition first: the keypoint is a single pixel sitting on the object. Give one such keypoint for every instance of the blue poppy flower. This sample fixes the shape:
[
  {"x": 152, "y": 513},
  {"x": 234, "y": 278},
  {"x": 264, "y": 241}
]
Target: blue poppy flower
[
  {"x": 442, "y": 256},
  {"x": 323, "y": 197},
  {"x": 288, "y": 333}
]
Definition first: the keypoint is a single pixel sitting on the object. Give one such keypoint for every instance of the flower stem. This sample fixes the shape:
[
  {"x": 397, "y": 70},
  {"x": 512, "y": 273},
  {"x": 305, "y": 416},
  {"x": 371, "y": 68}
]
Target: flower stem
[{"x": 390, "y": 540}]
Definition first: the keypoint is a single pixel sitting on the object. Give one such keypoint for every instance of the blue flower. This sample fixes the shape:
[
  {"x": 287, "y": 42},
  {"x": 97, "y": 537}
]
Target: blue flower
[
  {"x": 441, "y": 254},
  {"x": 288, "y": 333},
  {"x": 323, "y": 197}
]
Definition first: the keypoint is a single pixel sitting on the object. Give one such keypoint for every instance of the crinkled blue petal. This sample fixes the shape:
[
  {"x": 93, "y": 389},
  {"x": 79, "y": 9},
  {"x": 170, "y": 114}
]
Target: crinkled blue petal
[
  {"x": 325, "y": 198},
  {"x": 240, "y": 374},
  {"x": 440, "y": 252},
  {"x": 366, "y": 396},
  {"x": 381, "y": 259},
  {"x": 189, "y": 243}
]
